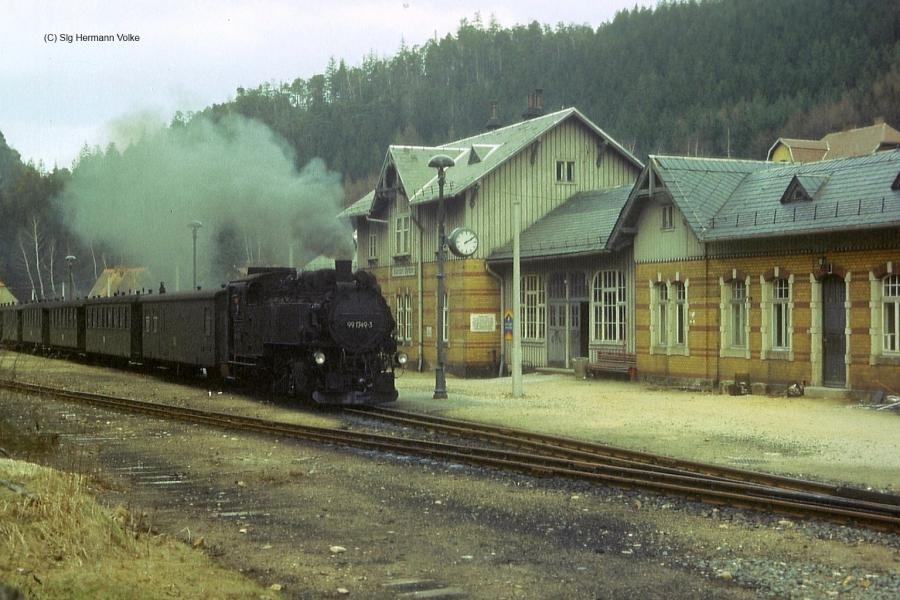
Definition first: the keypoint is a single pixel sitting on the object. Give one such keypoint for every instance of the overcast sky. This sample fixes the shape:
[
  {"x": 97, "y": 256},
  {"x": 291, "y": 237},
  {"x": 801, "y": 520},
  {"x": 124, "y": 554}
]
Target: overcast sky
[{"x": 57, "y": 94}]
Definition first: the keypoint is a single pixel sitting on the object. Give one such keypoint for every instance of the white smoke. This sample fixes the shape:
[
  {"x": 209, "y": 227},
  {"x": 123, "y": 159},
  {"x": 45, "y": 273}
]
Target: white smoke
[{"x": 236, "y": 177}]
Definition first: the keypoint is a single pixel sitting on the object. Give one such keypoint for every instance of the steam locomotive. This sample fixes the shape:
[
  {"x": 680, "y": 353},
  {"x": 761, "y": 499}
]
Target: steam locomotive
[{"x": 324, "y": 335}]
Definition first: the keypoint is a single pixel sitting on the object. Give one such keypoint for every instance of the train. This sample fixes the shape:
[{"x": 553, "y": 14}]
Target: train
[{"x": 325, "y": 336}]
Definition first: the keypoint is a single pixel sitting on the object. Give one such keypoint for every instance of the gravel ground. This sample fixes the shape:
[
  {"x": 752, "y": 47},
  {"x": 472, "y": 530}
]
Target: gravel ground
[{"x": 321, "y": 522}]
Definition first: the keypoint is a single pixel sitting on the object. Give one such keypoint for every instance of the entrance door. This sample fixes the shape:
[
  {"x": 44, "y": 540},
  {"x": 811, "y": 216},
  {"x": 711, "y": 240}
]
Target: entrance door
[
  {"x": 567, "y": 293},
  {"x": 556, "y": 334},
  {"x": 834, "y": 344}
]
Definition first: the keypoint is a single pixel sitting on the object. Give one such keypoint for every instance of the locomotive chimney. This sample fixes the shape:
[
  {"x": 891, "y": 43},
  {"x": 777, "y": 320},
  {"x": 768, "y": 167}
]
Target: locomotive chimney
[{"x": 343, "y": 269}]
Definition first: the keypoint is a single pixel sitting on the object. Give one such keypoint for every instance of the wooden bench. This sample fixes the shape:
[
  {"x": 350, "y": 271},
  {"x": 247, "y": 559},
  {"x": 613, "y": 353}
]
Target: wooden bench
[{"x": 613, "y": 361}]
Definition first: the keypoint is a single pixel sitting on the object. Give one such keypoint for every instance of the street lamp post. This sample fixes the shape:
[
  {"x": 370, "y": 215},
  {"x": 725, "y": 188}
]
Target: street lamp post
[
  {"x": 70, "y": 259},
  {"x": 195, "y": 225},
  {"x": 441, "y": 162}
]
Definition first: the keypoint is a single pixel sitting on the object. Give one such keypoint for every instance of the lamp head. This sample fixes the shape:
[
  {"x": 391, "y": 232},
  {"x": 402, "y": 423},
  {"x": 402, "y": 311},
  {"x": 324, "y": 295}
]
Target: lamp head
[{"x": 440, "y": 161}]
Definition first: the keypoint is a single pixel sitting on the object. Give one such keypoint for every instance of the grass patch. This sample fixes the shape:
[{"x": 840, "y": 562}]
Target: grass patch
[{"x": 57, "y": 542}]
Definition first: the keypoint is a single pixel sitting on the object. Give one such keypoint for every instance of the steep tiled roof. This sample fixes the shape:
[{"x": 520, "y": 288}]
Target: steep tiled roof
[
  {"x": 841, "y": 144},
  {"x": 801, "y": 150},
  {"x": 581, "y": 225},
  {"x": 473, "y": 157},
  {"x": 700, "y": 187},
  {"x": 727, "y": 199},
  {"x": 861, "y": 141}
]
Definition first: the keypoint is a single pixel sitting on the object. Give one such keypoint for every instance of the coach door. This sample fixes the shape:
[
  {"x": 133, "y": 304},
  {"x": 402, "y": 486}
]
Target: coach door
[
  {"x": 834, "y": 343},
  {"x": 567, "y": 298}
]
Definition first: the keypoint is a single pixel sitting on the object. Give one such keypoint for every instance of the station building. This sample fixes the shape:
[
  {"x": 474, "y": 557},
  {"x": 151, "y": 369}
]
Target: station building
[
  {"x": 544, "y": 163},
  {"x": 705, "y": 271}
]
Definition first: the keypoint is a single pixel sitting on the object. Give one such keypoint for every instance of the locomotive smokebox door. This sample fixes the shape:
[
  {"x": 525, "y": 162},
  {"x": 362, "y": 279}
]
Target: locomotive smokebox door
[{"x": 355, "y": 322}]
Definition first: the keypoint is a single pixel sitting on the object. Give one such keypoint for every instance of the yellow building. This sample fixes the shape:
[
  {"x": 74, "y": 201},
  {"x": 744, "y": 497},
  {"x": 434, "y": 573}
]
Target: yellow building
[
  {"x": 841, "y": 144},
  {"x": 780, "y": 273}
]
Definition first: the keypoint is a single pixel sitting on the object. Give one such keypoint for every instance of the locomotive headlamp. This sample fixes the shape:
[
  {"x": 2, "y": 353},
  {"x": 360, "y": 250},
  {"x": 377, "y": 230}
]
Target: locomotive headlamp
[
  {"x": 319, "y": 357},
  {"x": 402, "y": 358}
]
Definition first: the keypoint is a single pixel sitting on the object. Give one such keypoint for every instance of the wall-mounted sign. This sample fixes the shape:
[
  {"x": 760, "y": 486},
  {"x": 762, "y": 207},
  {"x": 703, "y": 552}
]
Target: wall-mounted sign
[
  {"x": 403, "y": 271},
  {"x": 482, "y": 322},
  {"x": 507, "y": 325}
]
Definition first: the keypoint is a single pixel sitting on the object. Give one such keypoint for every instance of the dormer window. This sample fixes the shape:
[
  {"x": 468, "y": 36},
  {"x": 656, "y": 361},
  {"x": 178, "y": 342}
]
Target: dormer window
[{"x": 803, "y": 188}]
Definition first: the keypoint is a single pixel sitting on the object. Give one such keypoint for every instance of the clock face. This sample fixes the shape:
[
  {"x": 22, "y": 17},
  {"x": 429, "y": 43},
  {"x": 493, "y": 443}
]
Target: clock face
[{"x": 463, "y": 241}]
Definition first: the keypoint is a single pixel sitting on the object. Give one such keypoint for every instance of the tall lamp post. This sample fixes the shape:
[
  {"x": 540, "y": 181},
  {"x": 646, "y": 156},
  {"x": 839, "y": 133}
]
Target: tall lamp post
[
  {"x": 441, "y": 162},
  {"x": 70, "y": 259},
  {"x": 195, "y": 225}
]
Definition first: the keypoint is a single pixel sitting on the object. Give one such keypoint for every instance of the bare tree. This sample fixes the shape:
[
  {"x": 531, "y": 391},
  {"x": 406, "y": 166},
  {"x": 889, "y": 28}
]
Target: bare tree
[
  {"x": 51, "y": 249},
  {"x": 27, "y": 266},
  {"x": 37, "y": 253}
]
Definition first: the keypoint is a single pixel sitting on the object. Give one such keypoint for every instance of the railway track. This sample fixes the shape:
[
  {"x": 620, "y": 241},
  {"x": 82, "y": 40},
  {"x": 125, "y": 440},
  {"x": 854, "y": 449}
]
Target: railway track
[{"x": 547, "y": 456}]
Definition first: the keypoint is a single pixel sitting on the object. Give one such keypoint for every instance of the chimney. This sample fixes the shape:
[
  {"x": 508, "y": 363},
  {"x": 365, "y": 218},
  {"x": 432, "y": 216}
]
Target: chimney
[
  {"x": 494, "y": 121},
  {"x": 344, "y": 269},
  {"x": 535, "y": 104}
]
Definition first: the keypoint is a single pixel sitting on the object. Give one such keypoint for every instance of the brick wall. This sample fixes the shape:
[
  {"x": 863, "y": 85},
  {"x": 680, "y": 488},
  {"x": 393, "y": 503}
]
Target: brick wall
[{"x": 704, "y": 362}]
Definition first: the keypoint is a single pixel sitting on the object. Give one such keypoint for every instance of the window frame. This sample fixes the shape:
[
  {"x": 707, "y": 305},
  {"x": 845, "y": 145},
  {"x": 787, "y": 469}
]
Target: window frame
[
  {"x": 668, "y": 217},
  {"x": 890, "y": 309},
  {"x": 609, "y": 308},
  {"x": 373, "y": 244},
  {"x": 402, "y": 242},
  {"x": 680, "y": 309},
  {"x": 737, "y": 311},
  {"x": 403, "y": 316},
  {"x": 533, "y": 303},
  {"x": 661, "y": 292},
  {"x": 780, "y": 318},
  {"x": 565, "y": 171}
]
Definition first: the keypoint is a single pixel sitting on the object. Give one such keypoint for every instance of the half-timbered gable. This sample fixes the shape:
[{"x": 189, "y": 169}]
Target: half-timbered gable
[
  {"x": 539, "y": 163},
  {"x": 785, "y": 273}
]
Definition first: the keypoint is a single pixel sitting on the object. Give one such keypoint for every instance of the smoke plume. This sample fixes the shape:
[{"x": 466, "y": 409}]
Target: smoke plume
[{"x": 235, "y": 177}]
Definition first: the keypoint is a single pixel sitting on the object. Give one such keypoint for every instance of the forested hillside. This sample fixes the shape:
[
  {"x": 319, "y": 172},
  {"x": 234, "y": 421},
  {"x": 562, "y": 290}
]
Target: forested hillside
[{"x": 713, "y": 78}]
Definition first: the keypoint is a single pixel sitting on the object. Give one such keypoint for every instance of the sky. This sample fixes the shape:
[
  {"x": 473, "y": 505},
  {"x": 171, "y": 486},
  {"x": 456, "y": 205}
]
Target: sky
[{"x": 58, "y": 92}]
